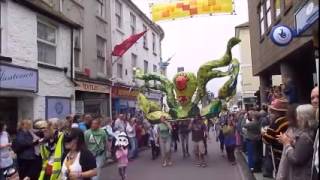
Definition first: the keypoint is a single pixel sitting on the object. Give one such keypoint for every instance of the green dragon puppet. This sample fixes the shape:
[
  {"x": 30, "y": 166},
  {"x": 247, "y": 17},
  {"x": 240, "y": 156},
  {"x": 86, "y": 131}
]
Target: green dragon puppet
[{"x": 184, "y": 94}]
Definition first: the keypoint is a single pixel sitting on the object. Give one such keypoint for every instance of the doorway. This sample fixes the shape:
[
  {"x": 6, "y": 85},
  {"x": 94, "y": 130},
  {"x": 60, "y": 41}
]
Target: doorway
[{"x": 9, "y": 113}]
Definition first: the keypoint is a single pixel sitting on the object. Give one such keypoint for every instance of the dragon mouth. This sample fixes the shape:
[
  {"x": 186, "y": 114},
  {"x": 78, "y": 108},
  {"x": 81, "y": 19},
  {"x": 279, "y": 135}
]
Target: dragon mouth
[{"x": 183, "y": 99}]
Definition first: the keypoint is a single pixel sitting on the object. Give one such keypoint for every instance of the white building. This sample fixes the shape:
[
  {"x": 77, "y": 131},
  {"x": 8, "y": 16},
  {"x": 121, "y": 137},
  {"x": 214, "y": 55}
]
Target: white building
[
  {"x": 35, "y": 62},
  {"x": 128, "y": 19}
]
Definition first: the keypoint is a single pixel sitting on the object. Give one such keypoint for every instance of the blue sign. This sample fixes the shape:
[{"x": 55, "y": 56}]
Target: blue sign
[
  {"x": 58, "y": 107},
  {"x": 281, "y": 35},
  {"x": 306, "y": 16},
  {"x": 14, "y": 77}
]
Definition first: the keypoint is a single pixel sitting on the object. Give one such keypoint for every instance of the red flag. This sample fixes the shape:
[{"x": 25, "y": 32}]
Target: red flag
[{"x": 120, "y": 49}]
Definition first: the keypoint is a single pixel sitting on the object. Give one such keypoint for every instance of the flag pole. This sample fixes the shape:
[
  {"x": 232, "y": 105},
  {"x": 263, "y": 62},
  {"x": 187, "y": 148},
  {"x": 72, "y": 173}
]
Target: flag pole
[{"x": 118, "y": 58}]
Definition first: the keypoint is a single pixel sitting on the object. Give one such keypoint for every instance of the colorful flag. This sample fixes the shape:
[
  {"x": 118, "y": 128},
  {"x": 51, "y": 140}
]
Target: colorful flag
[
  {"x": 185, "y": 8},
  {"x": 120, "y": 49}
]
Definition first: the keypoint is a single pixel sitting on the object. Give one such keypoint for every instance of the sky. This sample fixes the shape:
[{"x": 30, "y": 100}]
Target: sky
[{"x": 194, "y": 41}]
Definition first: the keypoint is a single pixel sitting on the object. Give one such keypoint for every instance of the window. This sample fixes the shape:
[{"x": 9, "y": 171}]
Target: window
[
  {"x": 77, "y": 48},
  {"x": 118, "y": 14},
  {"x": 133, "y": 60},
  {"x": 261, "y": 19},
  {"x": 100, "y": 8},
  {"x": 155, "y": 68},
  {"x": 119, "y": 71},
  {"x": 269, "y": 16},
  {"x": 277, "y": 7},
  {"x": 46, "y": 42},
  {"x": 145, "y": 65},
  {"x": 145, "y": 37},
  {"x": 133, "y": 23},
  {"x": 101, "y": 48},
  {"x": 154, "y": 43}
]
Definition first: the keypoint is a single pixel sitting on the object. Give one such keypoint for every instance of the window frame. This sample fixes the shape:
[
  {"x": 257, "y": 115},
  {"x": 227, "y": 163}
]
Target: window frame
[
  {"x": 77, "y": 49},
  {"x": 145, "y": 37},
  {"x": 101, "y": 8},
  {"x": 155, "y": 68},
  {"x": 119, "y": 16},
  {"x": 55, "y": 45},
  {"x": 133, "y": 23},
  {"x": 145, "y": 66},
  {"x": 261, "y": 20},
  {"x": 268, "y": 10},
  {"x": 101, "y": 55},
  {"x": 120, "y": 73},
  {"x": 154, "y": 44}
]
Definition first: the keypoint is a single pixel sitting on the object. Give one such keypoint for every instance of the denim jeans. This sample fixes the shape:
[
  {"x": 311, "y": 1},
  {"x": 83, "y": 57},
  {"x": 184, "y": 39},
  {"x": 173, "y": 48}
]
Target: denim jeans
[
  {"x": 250, "y": 153},
  {"x": 185, "y": 143},
  {"x": 100, "y": 162},
  {"x": 133, "y": 152}
]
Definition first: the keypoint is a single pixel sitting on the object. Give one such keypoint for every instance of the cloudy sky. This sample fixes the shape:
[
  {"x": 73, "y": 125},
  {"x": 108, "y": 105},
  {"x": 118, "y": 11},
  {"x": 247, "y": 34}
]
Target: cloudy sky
[{"x": 197, "y": 40}]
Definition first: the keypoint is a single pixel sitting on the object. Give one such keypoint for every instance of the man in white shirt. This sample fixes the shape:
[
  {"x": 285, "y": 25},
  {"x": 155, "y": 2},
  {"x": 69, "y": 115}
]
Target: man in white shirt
[
  {"x": 131, "y": 133},
  {"x": 119, "y": 124}
]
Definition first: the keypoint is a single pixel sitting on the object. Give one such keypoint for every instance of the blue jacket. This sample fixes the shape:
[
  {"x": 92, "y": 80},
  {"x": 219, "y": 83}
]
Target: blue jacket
[{"x": 24, "y": 141}]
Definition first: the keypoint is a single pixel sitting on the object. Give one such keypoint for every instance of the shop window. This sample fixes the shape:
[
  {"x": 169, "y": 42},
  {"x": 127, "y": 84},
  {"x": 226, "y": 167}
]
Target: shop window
[
  {"x": 262, "y": 19},
  {"x": 145, "y": 37},
  {"x": 133, "y": 23},
  {"x": 101, "y": 8},
  {"x": 119, "y": 71},
  {"x": 101, "y": 48},
  {"x": 145, "y": 66},
  {"x": 77, "y": 48},
  {"x": 268, "y": 12},
  {"x": 46, "y": 42},
  {"x": 118, "y": 7}
]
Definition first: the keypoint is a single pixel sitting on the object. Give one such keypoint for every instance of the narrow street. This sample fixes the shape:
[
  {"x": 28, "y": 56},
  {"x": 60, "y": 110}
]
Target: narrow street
[{"x": 183, "y": 169}]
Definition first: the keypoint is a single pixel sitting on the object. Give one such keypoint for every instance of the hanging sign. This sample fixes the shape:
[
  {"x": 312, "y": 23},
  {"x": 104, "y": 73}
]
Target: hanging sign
[
  {"x": 281, "y": 35},
  {"x": 306, "y": 16}
]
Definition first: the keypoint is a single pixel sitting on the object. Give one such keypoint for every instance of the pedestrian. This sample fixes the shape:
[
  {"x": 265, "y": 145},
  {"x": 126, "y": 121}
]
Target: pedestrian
[
  {"x": 122, "y": 154},
  {"x": 175, "y": 135},
  {"x": 222, "y": 122},
  {"x": 184, "y": 137},
  {"x": 107, "y": 127},
  {"x": 154, "y": 142},
  {"x": 86, "y": 124},
  {"x": 198, "y": 130},
  {"x": 119, "y": 124},
  {"x": 299, "y": 149},
  {"x": 230, "y": 140},
  {"x": 315, "y": 104},
  {"x": 51, "y": 150},
  {"x": 96, "y": 141},
  {"x": 25, "y": 144},
  {"x": 79, "y": 163},
  {"x": 131, "y": 133},
  {"x": 164, "y": 129},
  {"x": 6, "y": 160}
]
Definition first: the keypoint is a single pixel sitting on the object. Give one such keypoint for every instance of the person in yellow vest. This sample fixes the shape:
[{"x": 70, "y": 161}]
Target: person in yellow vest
[{"x": 51, "y": 150}]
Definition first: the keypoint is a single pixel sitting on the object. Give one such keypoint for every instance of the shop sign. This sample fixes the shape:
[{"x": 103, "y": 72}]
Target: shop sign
[
  {"x": 91, "y": 87},
  {"x": 305, "y": 16},
  {"x": 281, "y": 35},
  {"x": 57, "y": 107},
  {"x": 18, "y": 78},
  {"x": 120, "y": 92}
]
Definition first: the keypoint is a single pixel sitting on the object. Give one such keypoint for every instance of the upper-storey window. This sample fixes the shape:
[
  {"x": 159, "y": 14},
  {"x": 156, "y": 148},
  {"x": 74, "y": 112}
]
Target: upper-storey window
[
  {"x": 118, "y": 7},
  {"x": 262, "y": 19},
  {"x": 46, "y": 42},
  {"x": 101, "y": 8},
  {"x": 133, "y": 23},
  {"x": 145, "y": 37}
]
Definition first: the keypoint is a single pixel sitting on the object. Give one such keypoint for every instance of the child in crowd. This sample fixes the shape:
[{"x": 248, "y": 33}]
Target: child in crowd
[{"x": 122, "y": 154}]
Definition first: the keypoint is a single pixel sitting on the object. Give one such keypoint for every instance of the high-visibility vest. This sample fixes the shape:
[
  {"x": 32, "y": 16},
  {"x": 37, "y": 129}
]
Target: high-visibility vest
[{"x": 57, "y": 157}]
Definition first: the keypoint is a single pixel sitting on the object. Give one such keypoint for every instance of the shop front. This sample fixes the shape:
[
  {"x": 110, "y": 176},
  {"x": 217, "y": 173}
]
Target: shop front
[
  {"x": 93, "y": 98},
  {"x": 124, "y": 101},
  {"x": 18, "y": 86}
]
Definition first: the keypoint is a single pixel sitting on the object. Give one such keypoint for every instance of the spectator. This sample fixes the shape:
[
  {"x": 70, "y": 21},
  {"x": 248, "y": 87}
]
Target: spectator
[
  {"x": 299, "y": 150},
  {"x": 230, "y": 140},
  {"x": 154, "y": 141},
  {"x": 119, "y": 124},
  {"x": 79, "y": 162},
  {"x": 198, "y": 130},
  {"x": 175, "y": 135},
  {"x": 164, "y": 129},
  {"x": 184, "y": 137},
  {"x": 24, "y": 144},
  {"x": 278, "y": 124},
  {"x": 86, "y": 124},
  {"x": 315, "y": 164},
  {"x": 96, "y": 141},
  {"x": 290, "y": 90},
  {"x": 131, "y": 132},
  {"x": 6, "y": 160}
]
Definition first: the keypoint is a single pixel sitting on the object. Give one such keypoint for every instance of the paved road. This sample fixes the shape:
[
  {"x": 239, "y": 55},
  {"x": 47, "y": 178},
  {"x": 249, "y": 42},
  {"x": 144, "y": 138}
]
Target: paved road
[{"x": 144, "y": 168}]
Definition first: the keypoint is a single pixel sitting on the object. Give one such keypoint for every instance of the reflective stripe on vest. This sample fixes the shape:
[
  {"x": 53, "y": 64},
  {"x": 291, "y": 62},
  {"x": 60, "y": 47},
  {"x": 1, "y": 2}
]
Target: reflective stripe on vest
[{"x": 56, "y": 166}]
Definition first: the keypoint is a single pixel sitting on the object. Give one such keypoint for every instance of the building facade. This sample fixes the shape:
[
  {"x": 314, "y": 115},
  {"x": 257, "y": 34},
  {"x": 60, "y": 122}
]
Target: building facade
[
  {"x": 36, "y": 62},
  {"x": 127, "y": 19},
  {"x": 295, "y": 61}
]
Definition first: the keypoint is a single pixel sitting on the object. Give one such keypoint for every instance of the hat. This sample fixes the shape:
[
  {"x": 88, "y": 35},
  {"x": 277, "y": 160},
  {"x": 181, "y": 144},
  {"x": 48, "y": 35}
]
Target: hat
[
  {"x": 122, "y": 139},
  {"x": 279, "y": 105}
]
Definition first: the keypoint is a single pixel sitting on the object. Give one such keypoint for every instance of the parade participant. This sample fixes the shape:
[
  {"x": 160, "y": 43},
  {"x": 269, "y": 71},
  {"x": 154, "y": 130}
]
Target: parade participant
[
  {"x": 79, "y": 162},
  {"x": 299, "y": 149},
  {"x": 164, "y": 129},
  {"x": 119, "y": 124},
  {"x": 198, "y": 130},
  {"x": 230, "y": 140},
  {"x": 131, "y": 132},
  {"x": 184, "y": 137},
  {"x": 221, "y": 123},
  {"x": 6, "y": 160},
  {"x": 279, "y": 124},
  {"x": 154, "y": 141},
  {"x": 96, "y": 140},
  {"x": 25, "y": 144},
  {"x": 51, "y": 150},
  {"x": 122, "y": 154},
  {"x": 175, "y": 135},
  {"x": 85, "y": 125}
]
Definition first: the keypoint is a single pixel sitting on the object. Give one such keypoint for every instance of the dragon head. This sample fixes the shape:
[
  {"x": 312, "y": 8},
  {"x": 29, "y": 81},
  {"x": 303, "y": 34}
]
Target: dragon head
[{"x": 185, "y": 85}]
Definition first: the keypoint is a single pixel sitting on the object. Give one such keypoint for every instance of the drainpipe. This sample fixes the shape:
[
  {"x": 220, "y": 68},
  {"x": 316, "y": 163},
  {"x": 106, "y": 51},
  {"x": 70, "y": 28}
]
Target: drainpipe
[{"x": 71, "y": 61}]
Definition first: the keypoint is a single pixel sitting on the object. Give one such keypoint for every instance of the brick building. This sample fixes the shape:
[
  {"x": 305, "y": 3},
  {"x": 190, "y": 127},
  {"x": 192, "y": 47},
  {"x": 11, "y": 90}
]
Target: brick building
[{"x": 296, "y": 60}]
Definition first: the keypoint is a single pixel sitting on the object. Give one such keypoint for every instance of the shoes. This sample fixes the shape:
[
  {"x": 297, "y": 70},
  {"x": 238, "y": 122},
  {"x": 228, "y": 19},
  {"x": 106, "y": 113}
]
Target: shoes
[
  {"x": 169, "y": 163},
  {"x": 164, "y": 164},
  {"x": 204, "y": 165}
]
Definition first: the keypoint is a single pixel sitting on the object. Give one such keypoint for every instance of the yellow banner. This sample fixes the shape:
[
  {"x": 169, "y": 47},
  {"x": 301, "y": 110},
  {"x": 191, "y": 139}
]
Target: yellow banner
[{"x": 185, "y": 8}]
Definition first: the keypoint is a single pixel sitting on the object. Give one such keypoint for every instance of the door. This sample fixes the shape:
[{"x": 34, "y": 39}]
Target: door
[{"x": 9, "y": 113}]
